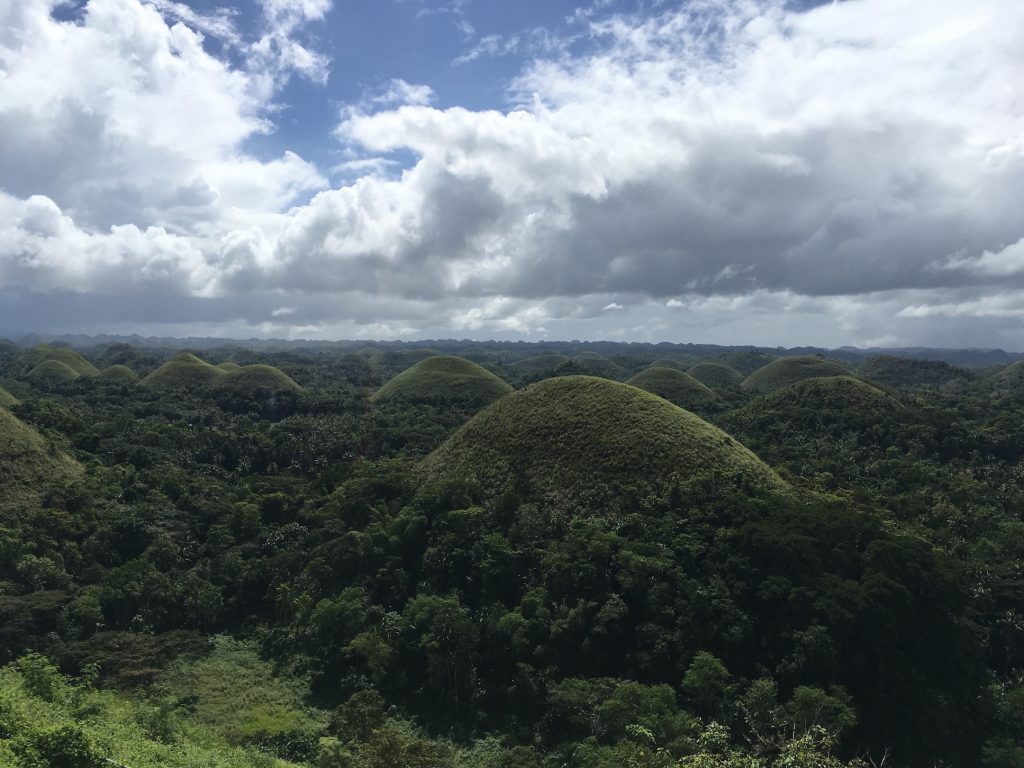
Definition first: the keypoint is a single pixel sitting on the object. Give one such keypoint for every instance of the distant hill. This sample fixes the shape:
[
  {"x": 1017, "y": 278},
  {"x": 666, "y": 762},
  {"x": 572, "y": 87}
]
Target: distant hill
[
  {"x": 443, "y": 379},
  {"x": 1011, "y": 377},
  {"x": 745, "y": 362},
  {"x": 183, "y": 371},
  {"x": 29, "y": 463},
  {"x": 906, "y": 374},
  {"x": 582, "y": 439},
  {"x": 69, "y": 357},
  {"x": 118, "y": 373},
  {"x": 53, "y": 372},
  {"x": 790, "y": 370},
  {"x": 716, "y": 375},
  {"x": 539, "y": 364},
  {"x": 252, "y": 378},
  {"x": 228, "y": 366},
  {"x": 592, "y": 364},
  {"x": 675, "y": 386}
]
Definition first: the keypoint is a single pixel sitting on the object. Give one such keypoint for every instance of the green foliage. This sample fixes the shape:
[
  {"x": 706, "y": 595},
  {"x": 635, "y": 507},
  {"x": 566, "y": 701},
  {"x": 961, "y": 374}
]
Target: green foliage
[
  {"x": 675, "y": 386},
  {"x": 53, "y": 372},
  {"x": 441, "y": 379},
  {"x": 789, "y": 370},
  {"x": 716, "y": 376},
  {"x": 256, "y": 378},
  {"x": 118, "y": 373},
  {"x": 45, "y": 353},
  {"x": 7, "y": 400},
  {"x": 184, "y": 371}
]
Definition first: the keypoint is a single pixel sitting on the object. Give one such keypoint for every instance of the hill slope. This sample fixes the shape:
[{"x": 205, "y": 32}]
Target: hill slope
[
  {"x": 7, "y": 399},
  {"x": 251, "y": 378},
  {"x": 183, "y": 371},
  {"x": 443, "y": 379},
  {"x": 28, "y": 461},
  {"x": 789, "y": 370},
  {"x": 904, "y": 373},
  {"x": 716, "y": 375},
  {"x": 581, "y": 439},
  {"x": 118, "y": 373},
  {"x": 675, "y": 386}
]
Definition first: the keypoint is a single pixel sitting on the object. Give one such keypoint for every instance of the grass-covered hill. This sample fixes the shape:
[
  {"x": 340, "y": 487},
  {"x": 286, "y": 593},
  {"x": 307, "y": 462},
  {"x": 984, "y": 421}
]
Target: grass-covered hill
[
  {"x": 69, "y": 357},
  {"x": 673, "y": 385},
  {"x": 789, "y": 370},
  {"x": 7, "y": 399},
  {"x": 443, "y": 379},
  {"x": 1011, "y": 377},
  {"x": 745, "y": 362},
  {"x": 118, "y": 373},
  {"x": 579, "y": 438},
  {"x": 831, "y": 405},
  {"x": 592, "y": 364},
  {"x": 716, "y": 375},
  {"x": 183, "y": 371},
  {"x": 228, "y": 366},
  {"x": 53, "y": 372},
  {"x": 903, "y": 373},
  {"x": 257, "y": 378},
  {"x": 28, "y": 461}
]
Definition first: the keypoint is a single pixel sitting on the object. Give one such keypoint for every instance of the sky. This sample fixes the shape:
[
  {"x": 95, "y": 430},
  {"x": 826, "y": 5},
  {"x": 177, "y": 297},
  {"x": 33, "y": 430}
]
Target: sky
[{"x": 713, "y": 171}]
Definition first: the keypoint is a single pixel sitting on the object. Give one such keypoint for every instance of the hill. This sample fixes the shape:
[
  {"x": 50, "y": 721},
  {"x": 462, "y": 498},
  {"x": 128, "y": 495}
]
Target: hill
[
  {"x": 53, "y": 372},
  {"x": 745, "y": 362},
  {"x": 118, "y": 373},
  {"x": 1011, "y": 377},
  {"x": 28, "y": 460},
  {"x": 228, "y": 366},
  {"x": 789, "y": 370},
  {"x": 538, "y": 365},
  {"x": 7, "y": 399},
  {"x": 716, "y": 375},
  {"x": 70, "y": 358},
  {"x": 675, "y": 386},
  {"x": 442, "y": 379},
  {"x": 582, "y": 439},
  {"x": 904, "y": 373},
  {"x": 832, "y": 404},
  {"x": 592, "y": 364},
  {"x": 252, "y": 378},
  {"x": 183, "y": 371}
]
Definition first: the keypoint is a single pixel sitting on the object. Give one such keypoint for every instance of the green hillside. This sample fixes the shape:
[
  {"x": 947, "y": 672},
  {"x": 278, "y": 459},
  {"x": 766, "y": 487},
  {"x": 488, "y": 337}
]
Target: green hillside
[
  {"x": 578, "y": 438},
  {"x": 28, "y": 460},
  {"x": 675, "y": 386},
  {"x": 7, "y": 399},
  {"x": 789, "y": 370},
  {"x": 831, "y": 405},
  {"x": 593, "y": 364},
  {"x": 716, "y": 375},
  {"x": 1011, "y": 377},
  {"x": 53, "y": 372},
  {"x": 906, "y": 374},
  {"x": 228, "y": 366},
  {"x": 69, "y": 357},
  {"x": 443, "y": 379},
  {"x": 744, "y": 362},
  {"x": 118, "y": 373},
  {"x": 539, "y": 364},
  {"x": 183, "y": 371},
  {"x": 252, "y": 378}
]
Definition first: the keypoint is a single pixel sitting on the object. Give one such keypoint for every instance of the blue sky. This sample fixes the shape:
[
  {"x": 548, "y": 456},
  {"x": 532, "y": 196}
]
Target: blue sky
[{"x": 728, "y": 171}]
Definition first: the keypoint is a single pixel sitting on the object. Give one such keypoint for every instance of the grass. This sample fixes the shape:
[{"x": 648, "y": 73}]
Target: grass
[
  {"x": 53, "y": 371},
  {"x": 28, "y": 460},
  {"x": 118, "y": 373},
  {"x": 539, "y": 364},
  {"x": 228, "y": 366},
  {"x": 675, "y": 386},
  {"x": 593, "y": 364},
  {"x": 183, "y": 371},
  {"x": 7, "y": 399},
  {"x": 584, "y": 439},
  {"x": 789, "y": 370},
  {"x": 70, "y": 358},
  {"x": 716, "y": 375},
  {"x": 257, "y": 377},
  {"x": 442, "y": 379}
]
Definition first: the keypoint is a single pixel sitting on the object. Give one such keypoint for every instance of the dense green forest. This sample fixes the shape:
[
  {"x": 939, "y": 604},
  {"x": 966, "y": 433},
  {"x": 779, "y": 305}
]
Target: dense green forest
[{"x": 505, "y": 556}]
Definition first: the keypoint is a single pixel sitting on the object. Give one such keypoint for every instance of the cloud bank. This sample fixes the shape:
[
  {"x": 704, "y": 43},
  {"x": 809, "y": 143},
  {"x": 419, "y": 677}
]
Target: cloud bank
[{"x": 732, "y": 172}]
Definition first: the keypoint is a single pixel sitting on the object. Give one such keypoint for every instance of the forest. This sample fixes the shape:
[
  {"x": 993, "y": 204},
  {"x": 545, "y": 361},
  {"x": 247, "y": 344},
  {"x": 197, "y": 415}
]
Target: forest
[{"x": 509, "y": 555}]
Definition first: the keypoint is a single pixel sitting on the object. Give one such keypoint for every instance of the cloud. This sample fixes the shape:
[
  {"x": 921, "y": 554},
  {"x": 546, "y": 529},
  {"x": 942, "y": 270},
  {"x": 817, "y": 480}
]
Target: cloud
[{"x": 860, "y": 163}]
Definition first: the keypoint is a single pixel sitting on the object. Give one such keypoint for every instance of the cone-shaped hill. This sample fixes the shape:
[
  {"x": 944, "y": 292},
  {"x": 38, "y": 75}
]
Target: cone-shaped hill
[
  {"x": 7, "y": 400},
  {"x": 257, "y": 378},
  {"x": 118, "y": 373},
  {"x": 53, "y": 372},
  {"x": 716, "y": 375},
  {"x": 830, "y": 401},
  {"x": 581, "y": 439},
  {"x": 228, "y": 366},
  {"x": 29, "y": 464},
  {"x": 789, "y": 370},
  {"x": 675, "y": 386},
  {"x": 44, "y": 352},
  {"x": 442, "y": 379},
  {"x": 183, "y": 371},
  {"x": 745, "y": 362},
  {"x": 593, "y": 364}
]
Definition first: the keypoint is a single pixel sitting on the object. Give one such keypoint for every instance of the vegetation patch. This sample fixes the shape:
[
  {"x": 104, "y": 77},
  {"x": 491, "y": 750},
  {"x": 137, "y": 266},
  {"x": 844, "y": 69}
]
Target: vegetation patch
[
  {"x": 228, "y": 366},
  {"x": 7, "y": 400},
  {"x": 789, "y": 370},
  {"x": 906, "y": 374},
  {"x": 442, "y": 379},
  {"x": 580, "y": 438},
  {"x": 70, "y": 358},
  {"x": 539, "y": 365},
  {"x": 255, "y": 378},
  {"x": 675, "y": 386},
  {"x": 53, "y": 372},
  {"x": 28, "y": 460},
  {"x": 118, "y": 373}
]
